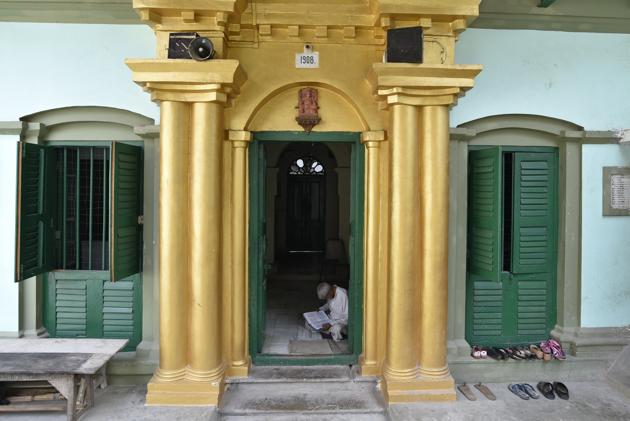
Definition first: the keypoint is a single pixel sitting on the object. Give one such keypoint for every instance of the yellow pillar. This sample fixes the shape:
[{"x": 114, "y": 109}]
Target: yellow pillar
[
  {"x": 434, "y": 144},
  {"x": 418, "y": 97},
  {"x": 173, "y": 247},
  {"x": 191, "y": 367},
  {"x": 239, "y": 364},
  {"x": 370, "y": 364},
  {"x": 401, "y": 360},
  {"x": 205, "y": 359}
]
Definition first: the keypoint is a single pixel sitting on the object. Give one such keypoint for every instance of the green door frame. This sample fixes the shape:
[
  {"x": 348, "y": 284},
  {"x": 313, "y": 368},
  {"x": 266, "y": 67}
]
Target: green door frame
[
  {"x": 256, "y": 268},
  {"x": 508, "y": 277}
]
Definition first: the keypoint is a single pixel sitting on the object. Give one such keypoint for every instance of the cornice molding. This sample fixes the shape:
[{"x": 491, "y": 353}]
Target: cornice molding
[
  {"x": 188, "y": 80},
  {"x": 421, "y": 84}
]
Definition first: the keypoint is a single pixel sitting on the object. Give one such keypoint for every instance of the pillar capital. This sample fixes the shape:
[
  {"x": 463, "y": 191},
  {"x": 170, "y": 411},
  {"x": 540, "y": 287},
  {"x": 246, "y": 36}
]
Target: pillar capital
[
  {"x": 421, "y": 84},
  {"x": 239, "y": 138},
  {"x": 189, "y": 80},
  {"x": 372, "y": 139}
]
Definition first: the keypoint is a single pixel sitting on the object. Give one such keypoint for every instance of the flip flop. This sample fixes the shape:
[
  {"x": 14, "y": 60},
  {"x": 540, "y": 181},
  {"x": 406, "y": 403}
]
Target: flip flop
[
  {"x": 546, "y": 349},
  {"x": 546, "y": 389},
  {"x": 536, "y": 351},
  {"x": 529, "y": 389},
  {"x": 518, "y": 391},
  {"x": 561, "y": 390},
  {"x": 556, "y": 350},
  {"x": 486, "y": 391},
  {"x": 493, "y": 353},
  {"x": 503, "y": 355},
  {"x": 467, "y": 392}
]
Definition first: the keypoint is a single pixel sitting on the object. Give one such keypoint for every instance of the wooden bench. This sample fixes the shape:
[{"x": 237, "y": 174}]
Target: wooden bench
[{"x": 69, "y": 365}]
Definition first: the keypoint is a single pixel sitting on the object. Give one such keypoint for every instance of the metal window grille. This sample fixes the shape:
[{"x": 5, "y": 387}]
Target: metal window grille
[{"x": 84, "y": 177}]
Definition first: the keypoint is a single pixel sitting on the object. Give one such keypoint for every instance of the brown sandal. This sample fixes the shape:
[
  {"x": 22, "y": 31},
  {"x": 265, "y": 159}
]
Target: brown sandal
[
  {"x": 486, "y": 391},
  {"x": 467, "y": 392},
  {"x": 534, "y": 349}
]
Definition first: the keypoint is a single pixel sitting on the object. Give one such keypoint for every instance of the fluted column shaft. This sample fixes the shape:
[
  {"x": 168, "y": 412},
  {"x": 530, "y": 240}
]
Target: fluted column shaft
[
  {"x": 206, "y": 159},
  {"x": 401, "y": 349},
  {"x": 173, "y": 246},
  {"x": 434, "y": 144},
  {"x": 238, "y": 323},
  {"x": 370, "y": 364}
]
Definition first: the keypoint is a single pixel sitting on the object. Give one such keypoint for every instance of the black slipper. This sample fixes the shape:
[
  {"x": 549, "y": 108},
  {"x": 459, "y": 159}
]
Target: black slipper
[
  {"x": 546, "y": 389},
  {"x": 503, "y": 352},
  {"x": 561, "y": 390},
  {"x": 493, "y": 353}
]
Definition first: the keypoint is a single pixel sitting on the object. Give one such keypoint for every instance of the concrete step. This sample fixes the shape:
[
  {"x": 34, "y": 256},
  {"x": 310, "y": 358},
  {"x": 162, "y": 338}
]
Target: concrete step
[
  {"x": 304, "y": 374},
  {"x": 306, "y": 417},
  {"x": 309, "y": 400},
  {"x": 469, "y": 370}
]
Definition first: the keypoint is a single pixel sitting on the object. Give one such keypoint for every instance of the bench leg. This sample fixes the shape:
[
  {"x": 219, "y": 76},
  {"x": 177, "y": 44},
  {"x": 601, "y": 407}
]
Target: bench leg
[{"x": 71, "y": 397}]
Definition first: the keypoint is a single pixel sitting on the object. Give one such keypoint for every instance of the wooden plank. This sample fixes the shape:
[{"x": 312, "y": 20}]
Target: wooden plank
[{"x": 34, "y": 406}]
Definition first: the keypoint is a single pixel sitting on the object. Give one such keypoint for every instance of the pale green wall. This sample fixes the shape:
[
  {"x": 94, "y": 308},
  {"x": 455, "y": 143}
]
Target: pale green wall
[
  {"x": 9, "y": 290},
  {"x": 48, "y": 66},
  {"x": 605, "y": 244},
  {"x": 579, "y": 77}
]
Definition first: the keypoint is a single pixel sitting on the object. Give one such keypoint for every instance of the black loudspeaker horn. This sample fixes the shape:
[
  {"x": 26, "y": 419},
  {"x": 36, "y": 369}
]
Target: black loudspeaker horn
[
  {"x": 404, "y": 45},
  {"x": 201, "y": 49}
]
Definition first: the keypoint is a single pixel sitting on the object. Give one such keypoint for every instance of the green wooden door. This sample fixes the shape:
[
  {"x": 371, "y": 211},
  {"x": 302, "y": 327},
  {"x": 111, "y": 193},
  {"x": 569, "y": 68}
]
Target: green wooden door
[
  {"x": 306, "y": 204},
  {"x": 257, "y": 245},
  {"x": 85, "y": 304},
  {"x": 511, "y": 263}
]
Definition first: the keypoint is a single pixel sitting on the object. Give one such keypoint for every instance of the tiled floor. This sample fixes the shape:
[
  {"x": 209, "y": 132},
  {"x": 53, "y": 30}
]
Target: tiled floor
[{"x": 291, "y": 291}]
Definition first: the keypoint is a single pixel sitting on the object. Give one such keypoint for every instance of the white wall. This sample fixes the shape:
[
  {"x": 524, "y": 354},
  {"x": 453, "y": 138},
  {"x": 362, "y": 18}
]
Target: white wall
[
  {"x": 605, "y": 244},
  {"x": 45, "y": 66},
  {"x": 9, "y": 290},
  {"x": 579, "y": 77}
]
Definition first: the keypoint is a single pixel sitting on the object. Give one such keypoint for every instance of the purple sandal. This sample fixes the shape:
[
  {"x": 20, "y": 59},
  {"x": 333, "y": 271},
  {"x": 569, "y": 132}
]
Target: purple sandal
[{"x": 556, "y": 350}]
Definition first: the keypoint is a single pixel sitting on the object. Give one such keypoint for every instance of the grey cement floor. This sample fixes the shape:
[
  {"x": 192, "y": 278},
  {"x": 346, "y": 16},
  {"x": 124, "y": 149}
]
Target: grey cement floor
[{"x": 589, "y": 401}]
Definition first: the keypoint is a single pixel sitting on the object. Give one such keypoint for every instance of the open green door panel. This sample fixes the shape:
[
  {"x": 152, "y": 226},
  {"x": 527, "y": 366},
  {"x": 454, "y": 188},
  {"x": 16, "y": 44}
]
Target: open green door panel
[
  {"x": 126, "y": 209},
  {"x": 511, "y": 258},
  {"x": 35, "y": 233}
]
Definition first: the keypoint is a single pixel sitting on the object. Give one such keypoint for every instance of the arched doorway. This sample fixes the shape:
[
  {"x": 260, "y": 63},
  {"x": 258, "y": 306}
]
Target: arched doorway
[{"x": 305, "y": 201}]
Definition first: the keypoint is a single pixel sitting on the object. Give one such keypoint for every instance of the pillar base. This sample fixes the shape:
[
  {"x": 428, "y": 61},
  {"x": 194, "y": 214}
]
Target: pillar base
[
  {"x": 241, "y": 370},
  {"x": 419, "y": 389},
  {"x": 184, "y": 393},
  {"x": 369, "y": 369}
]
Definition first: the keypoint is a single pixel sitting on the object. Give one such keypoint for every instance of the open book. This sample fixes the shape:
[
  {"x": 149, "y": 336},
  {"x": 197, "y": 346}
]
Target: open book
[{"x": 317, "y": 319}]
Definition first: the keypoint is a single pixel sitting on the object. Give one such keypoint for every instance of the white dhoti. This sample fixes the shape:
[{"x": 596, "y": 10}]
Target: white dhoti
[{"x": 337, "y": 331}]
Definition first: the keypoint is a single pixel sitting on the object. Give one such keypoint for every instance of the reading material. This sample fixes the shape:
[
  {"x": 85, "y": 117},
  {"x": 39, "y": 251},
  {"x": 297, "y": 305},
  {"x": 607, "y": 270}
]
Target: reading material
[{"x": 317, "y": 319}]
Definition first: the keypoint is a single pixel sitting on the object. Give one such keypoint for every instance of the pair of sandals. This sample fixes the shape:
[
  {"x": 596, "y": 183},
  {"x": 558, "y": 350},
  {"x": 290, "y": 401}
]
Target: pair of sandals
[
  {"x": 552, "y": 348},
  {"x": 526, "y": 391},
  {"x": 550, "y": 390},
  {"x": 468, "y": 393}
]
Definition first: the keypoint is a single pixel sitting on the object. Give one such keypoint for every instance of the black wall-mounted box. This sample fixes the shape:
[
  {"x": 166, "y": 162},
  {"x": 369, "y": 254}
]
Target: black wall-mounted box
[
  {"x": 404, "y": 45},
  {"x": 178, "y": 43}
]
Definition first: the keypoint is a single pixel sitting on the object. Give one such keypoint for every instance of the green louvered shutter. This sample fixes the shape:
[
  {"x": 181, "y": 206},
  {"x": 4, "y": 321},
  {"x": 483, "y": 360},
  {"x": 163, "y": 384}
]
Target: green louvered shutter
[
  {"x": 126, "y": 207},
  {"x": 35, "y": 204},
  {"x": 534, "y": 243},
  {"x": 484, "y": 295}
]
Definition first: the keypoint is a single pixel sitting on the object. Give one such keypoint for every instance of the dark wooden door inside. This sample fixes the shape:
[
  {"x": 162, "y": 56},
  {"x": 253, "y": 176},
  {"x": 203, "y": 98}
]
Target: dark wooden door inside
[{"x": 306, "y": 205}]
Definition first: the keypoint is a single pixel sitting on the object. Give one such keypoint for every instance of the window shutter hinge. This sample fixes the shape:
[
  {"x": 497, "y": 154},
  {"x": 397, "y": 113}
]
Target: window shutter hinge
[{"x": 141, "y": 220}]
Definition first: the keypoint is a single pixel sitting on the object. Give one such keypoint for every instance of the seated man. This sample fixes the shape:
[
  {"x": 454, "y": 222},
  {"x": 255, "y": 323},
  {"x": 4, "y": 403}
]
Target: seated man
[{"x": 337, "y": 307}]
